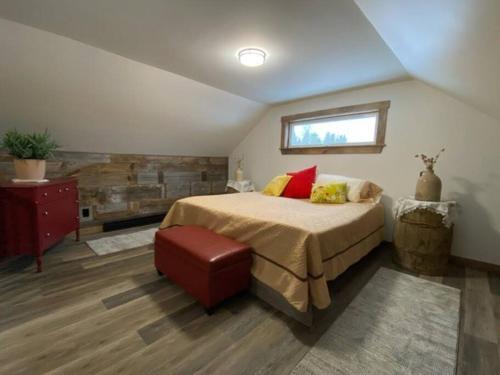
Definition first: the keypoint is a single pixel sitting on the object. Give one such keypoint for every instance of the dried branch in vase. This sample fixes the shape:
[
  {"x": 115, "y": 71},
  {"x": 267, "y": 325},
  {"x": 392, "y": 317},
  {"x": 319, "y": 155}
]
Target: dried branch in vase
[{"x": 430, "y": 162}]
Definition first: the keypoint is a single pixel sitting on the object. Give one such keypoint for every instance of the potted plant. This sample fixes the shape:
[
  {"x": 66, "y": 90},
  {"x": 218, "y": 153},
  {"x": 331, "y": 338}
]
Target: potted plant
[{"x": 30, "y": 152}]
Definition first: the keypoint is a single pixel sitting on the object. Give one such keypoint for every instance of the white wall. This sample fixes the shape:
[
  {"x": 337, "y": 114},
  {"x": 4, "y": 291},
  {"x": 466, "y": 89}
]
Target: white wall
[
  {"x": 93, "y": 100},
  {"x": 421, "y": 119},
  {"x": 456, "y": 49}
]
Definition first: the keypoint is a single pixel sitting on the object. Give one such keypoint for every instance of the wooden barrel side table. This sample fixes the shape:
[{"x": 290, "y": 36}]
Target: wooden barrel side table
[{"x": 422, "y": 242}]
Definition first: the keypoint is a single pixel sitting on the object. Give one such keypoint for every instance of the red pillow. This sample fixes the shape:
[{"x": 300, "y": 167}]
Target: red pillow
[{"x": 301, "y": 184}]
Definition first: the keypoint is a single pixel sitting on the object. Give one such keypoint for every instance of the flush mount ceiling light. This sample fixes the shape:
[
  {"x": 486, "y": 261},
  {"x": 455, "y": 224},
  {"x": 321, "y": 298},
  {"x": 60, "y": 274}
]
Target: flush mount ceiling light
[{"x": 251, "y": 56}]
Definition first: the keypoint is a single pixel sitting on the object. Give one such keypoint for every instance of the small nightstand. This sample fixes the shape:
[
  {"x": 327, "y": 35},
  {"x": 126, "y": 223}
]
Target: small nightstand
[
  {"x": 239, "y": 186},
  {"x": 423, "y": 235}
]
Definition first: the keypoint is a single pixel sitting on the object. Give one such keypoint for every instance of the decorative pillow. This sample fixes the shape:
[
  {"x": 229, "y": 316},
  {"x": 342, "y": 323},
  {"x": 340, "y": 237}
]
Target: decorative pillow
[
  {"x": 357, "y": 190},
  {"x": 301, "y": 184},
  {"x": 277, "y": 185},
  {"x": 336, "y": 192}
]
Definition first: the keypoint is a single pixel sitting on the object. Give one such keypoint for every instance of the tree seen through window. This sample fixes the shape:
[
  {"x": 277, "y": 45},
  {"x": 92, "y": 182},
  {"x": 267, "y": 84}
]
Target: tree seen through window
[{"x": 309, "y": 137}]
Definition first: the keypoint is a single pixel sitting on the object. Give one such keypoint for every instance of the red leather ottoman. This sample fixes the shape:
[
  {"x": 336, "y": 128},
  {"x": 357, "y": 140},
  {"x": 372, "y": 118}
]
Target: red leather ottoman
[{"x": 207, "y": 265}]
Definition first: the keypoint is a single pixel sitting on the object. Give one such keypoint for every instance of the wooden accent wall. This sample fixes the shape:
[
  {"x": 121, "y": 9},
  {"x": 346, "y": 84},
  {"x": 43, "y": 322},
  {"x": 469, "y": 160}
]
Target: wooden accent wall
[{"x": 122, "y": 186}]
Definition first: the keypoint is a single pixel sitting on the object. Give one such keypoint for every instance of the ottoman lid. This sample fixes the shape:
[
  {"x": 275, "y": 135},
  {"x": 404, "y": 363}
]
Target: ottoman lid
[{"x": 208, "y": 249}]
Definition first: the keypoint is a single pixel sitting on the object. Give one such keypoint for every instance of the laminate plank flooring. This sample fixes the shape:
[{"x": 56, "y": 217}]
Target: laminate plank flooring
[{"x": 113, "y": 314}]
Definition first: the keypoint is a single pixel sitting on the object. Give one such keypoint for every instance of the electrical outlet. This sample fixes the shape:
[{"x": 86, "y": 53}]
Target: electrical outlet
[{"x": 85, "y": 214}]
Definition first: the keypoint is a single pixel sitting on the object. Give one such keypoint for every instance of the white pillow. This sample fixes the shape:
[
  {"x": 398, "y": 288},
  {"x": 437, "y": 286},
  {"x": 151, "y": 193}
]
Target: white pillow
[{"x": 358, "y": 190}]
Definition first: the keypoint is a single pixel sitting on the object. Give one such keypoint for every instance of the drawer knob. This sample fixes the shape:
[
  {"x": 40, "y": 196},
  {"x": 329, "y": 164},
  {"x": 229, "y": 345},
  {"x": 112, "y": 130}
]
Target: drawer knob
[
  {"x": 45, "y": 194},
  {"x": 46, "y": 213},
  {"x": 60, "y": 190},
  {"x": 47, "y": 234},
  {"x": 66, "y": 189}
]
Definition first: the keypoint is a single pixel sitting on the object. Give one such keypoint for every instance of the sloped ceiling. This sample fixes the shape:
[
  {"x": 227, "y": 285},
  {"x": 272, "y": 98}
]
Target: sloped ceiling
[
  {"x": 156, "y": 76},
  {"x": 453, "y": 45},
  {"x": 314, "y": 46},
  {"x": 93, "y": 100}
]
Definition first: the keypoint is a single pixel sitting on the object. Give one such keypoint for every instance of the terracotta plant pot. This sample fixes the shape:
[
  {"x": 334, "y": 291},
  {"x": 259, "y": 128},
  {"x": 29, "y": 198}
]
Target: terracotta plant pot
[
  {"x": 428, "y": 186},
  {"x": 29, "y": 169}
]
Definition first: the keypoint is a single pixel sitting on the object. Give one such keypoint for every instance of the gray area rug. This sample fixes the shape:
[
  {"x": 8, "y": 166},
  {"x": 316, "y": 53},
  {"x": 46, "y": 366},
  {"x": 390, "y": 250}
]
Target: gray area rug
[
  {"x": 397, "y": 324},
  {"x": 114, "y": 244}
]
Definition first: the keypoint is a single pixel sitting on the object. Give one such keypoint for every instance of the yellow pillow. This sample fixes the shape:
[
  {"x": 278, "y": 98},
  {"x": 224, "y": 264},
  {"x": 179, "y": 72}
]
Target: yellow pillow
[
  {"x": 335, "y": 192},
  {"x": 277, "y": 185}
]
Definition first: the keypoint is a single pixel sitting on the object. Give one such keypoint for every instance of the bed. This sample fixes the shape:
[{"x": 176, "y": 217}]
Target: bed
[{"x": 297, "y": 245}]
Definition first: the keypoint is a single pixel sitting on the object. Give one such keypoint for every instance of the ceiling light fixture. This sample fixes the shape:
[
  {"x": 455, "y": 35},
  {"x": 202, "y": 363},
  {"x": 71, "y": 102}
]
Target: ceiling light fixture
[{"x": 251, "y": 56}]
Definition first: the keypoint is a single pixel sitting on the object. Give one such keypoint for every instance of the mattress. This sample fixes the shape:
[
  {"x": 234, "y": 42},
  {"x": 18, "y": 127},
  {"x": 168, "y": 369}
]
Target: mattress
[{"x": 297, "y": 245}]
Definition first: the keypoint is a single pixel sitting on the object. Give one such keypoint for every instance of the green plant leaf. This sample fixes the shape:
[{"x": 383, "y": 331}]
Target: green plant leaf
[{"x": 29, "y": 146}]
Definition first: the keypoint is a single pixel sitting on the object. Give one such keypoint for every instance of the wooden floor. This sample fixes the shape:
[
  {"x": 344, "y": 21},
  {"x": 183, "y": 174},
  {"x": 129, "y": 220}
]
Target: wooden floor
[{"x": 112, "y": 314}]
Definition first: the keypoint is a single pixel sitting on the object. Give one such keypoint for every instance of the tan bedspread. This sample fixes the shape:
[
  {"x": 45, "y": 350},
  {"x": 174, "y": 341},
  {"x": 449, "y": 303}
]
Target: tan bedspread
[{"x": 298, "y": 246}]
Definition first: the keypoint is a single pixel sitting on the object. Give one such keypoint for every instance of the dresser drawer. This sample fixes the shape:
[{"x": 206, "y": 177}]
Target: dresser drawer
[
  {"x": 56, "y": 192},
  {"x": 56, "y": 219}
]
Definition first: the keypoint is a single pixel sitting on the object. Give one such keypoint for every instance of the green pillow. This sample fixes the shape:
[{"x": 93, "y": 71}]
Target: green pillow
[{"x": 335, "y": 192}]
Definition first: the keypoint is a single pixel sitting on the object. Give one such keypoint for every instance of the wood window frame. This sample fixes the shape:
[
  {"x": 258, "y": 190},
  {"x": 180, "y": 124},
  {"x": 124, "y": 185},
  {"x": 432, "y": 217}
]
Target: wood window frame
[{"x": 381, "y": 108}]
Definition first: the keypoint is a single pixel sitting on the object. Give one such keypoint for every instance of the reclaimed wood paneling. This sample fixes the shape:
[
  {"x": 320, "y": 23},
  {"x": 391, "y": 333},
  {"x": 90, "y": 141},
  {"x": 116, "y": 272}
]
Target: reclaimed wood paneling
[{"x": 122, "y": 186}]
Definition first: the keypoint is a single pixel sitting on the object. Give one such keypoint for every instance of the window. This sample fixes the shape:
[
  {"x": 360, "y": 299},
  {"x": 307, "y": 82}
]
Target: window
[{"x": 353, "y": 129}]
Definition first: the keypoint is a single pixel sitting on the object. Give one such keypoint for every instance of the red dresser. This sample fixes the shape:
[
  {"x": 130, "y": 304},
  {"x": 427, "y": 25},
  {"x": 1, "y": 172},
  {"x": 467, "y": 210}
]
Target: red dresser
[{"x": 33, "y": 217}]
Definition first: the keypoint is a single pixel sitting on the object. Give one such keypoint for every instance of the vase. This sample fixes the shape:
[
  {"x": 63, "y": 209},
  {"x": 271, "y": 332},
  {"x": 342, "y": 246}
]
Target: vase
[
  {"x": 428, "y": 186},
  {"x": 238, "y": 175},
  {"x": 29, "y": 169}
]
